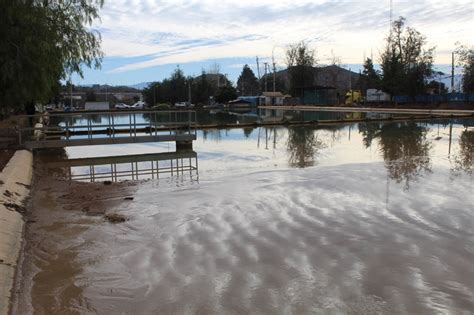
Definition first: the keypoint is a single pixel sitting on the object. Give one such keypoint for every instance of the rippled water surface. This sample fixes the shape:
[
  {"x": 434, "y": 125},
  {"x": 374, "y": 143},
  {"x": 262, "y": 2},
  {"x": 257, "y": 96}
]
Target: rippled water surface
[{"x": 348, "y": 219}]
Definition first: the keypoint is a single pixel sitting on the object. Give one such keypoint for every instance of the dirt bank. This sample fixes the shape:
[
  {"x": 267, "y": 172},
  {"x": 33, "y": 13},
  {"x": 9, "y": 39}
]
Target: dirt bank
[
  {"x": 59, "y": 214},
  {"x": 15, "y": 179}
]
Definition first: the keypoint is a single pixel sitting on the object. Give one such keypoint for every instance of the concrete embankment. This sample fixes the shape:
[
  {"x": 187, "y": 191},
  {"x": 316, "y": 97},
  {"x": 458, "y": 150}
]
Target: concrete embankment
[{"x": 15, "y": 182}]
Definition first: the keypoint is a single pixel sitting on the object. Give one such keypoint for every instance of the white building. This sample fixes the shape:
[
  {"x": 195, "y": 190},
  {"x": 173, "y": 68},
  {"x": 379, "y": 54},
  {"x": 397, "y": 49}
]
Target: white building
[
  {"x": 97, "y": 106},
  {"x": 272, "y": 98}
]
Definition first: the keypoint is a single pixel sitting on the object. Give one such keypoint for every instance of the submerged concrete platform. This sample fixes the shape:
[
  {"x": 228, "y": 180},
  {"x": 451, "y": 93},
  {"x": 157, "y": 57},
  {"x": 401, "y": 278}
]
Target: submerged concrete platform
[
  {"x": 387, "y": 110},
  {"x": 40, "y": 144}
]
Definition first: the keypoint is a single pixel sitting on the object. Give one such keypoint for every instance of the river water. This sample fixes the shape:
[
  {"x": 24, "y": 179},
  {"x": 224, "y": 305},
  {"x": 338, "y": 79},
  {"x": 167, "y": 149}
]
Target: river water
[{"x": 372, "y": 218}]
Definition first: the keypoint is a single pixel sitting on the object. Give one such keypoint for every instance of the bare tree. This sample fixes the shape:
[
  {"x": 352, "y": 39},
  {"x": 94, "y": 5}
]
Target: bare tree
[{"x": 300, "y": 59}]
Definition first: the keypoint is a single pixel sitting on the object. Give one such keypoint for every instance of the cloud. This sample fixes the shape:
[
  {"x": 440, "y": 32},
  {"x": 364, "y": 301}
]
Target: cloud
[{"x": 176, "y": 32}]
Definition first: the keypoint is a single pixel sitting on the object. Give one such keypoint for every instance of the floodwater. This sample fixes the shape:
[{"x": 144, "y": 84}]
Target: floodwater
[{"x": 350, "y": 219}]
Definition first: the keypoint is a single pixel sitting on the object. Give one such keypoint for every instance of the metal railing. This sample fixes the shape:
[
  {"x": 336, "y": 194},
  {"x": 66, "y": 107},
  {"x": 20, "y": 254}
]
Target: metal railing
[{"x": 136, "y": 126}]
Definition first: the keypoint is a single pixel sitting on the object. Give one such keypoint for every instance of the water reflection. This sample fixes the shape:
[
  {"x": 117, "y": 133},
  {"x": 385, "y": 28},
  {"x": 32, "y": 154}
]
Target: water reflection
[
  {"x": 464, "y": 159},
  {"x": 404, "y": 146},
  {"x": 303, "y": 146},
  {"x": 127, "y": 167}
]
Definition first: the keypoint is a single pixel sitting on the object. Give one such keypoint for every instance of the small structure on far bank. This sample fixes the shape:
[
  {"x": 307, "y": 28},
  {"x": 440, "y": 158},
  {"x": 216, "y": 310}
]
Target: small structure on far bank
[
  {"x": 272, "y": 98},
  {"x": 97, "y": 106}
]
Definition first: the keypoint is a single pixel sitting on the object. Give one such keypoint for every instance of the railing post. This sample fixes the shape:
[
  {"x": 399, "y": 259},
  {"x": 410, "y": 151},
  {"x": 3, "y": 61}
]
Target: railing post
[
  {"x": 67, "y": 129},
  {"x": 135, "y": 125},
  {"x": 113, "y": 127}
]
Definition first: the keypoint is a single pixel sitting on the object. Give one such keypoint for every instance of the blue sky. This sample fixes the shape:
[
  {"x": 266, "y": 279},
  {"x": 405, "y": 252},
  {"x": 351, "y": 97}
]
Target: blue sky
[{"x": 146, "y": 40}]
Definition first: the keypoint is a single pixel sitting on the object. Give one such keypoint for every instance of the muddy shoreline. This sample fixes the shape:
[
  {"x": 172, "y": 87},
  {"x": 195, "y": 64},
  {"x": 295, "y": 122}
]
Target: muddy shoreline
[{"x": 53, "y": 203}]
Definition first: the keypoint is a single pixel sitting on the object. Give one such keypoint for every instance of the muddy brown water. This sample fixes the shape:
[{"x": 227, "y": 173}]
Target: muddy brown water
[{"x": 359, "y": 219}]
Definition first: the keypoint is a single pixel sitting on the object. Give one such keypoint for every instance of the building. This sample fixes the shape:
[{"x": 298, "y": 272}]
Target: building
[
  {"x": 97, "y": 106},
  {"x": 319, "y": 95},
  {"x": 272, "y": 98}
]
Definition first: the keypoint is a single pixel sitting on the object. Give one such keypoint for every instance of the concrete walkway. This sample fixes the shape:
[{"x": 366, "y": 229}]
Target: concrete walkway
[{"x": 15, "y": 180}]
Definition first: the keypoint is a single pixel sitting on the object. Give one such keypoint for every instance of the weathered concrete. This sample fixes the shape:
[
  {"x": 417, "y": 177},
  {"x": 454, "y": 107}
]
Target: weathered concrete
[
  {"x": 388, "y": 110},
  {"x": 14, "y": 189}
]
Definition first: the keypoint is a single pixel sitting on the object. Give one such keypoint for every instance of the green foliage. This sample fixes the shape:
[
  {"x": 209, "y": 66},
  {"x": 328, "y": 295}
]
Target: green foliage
[
  {"x": 247, "y": 82},
  {"x": 176, "y": 89},
  {"x": 466, "y": 60},
  {"x": 91, "y": 97},
  {"x": 171, "y": 90},
  {"x": 226, "y": 93},
  {"x": 300, "y": 60},
  {"x": 202, "y": 89},
  {"x": 405, "y": 62},
  {"x": 370, "y": 76},
  {"x": 42, "y": 43}
]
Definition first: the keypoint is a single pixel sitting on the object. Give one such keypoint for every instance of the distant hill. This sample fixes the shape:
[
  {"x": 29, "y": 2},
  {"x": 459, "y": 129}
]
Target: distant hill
[{"x": 139, "y": 86}]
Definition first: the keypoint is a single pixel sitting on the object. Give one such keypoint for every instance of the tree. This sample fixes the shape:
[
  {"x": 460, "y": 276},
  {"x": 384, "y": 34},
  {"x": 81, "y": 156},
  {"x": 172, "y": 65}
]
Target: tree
[
  {"x": 202, "y": 89},
  {"x": 226, "y": 93},
  {"x": 42, "y": 43},
  {"x": 466, "y": 60},
  {"x": 405, "y": 62},
  {"x": 90, "y": 96},
  {"x": 247, "y": 83},
  {"x": 300, "y": 60},
  {"x": 370, "y": 76}
]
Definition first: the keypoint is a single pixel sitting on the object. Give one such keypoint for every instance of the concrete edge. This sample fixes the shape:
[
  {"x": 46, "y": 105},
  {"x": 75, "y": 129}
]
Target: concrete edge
[{"x": 15, "y": 181}]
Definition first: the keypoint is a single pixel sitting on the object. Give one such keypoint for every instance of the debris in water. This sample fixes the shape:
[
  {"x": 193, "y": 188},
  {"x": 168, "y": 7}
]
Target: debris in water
[
  {"x": 107, "y": 182},
  {"x": 115, "y": 218},
  {"x": 128, "y": 198}
]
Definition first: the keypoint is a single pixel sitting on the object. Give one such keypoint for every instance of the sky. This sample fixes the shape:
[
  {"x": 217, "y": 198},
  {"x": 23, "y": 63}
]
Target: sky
[{"x": 145, "y": 40}]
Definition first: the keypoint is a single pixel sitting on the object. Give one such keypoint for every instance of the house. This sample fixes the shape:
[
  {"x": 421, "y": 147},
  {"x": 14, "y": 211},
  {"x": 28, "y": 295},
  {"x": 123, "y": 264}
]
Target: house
[{"x": 272, "y": 98}]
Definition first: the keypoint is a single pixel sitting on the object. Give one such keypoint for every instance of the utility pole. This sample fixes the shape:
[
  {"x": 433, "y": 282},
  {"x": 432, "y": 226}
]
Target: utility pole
[
  {"x": 189, "y": 92},
  {"x": 266, "y": 64},
  {"x": 452, "y": 72},
  {"x": 258, "y": 69},
  {"x": 274, "y": 69},
  {"x": 70, "y": 92}
]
